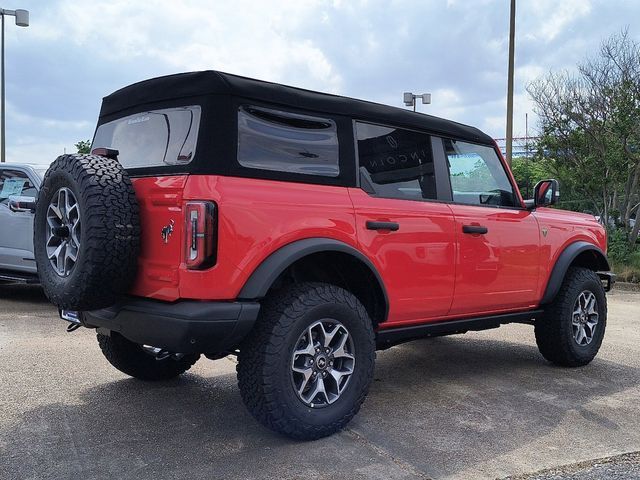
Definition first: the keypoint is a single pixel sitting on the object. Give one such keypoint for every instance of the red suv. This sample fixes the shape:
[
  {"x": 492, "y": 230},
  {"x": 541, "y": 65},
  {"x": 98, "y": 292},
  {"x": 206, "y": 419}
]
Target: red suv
[{"x": 302, "y": 231}]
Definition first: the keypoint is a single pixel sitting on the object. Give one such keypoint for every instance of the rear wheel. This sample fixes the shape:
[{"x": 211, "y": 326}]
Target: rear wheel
[
  {"x": 305, "y": 369},
  {"x": 141, "y": 361},
  {"x": 571, "y": 331}
]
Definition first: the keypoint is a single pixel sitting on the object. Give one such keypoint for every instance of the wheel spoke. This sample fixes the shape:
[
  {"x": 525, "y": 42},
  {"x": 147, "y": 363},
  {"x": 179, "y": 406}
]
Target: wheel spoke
[
  {"x": 56, "y": 211},
  {"x": 327, "y": 337},
  {"x": 318, "y": 390},
  {"x": 591, "y": 305},
  {"x": 306, "y": 375},
  {"x": 340, "y": 352}
]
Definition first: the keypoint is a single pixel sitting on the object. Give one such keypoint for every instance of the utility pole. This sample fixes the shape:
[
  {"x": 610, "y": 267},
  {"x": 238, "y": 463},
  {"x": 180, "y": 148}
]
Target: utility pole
[
  {"x": 22, "y": 20},
  {"x": 512, "y": 40}
]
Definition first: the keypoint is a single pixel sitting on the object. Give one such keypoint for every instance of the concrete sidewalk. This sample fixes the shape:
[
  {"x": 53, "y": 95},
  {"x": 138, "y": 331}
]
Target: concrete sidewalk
[{"x": 480, "y": 405}]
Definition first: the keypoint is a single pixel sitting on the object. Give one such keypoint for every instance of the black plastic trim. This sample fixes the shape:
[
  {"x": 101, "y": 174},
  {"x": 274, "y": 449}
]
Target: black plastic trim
[
  {"x": 475, "y": 229},
  {"x": 263, "y": 277},
  {"x": 608, "y": 279},
  {"x": 389, "y": 337},
  {"x": 187, "y": 326},
  {"x": 565, "y": 259},
  {"x": 391, "y": 226}
]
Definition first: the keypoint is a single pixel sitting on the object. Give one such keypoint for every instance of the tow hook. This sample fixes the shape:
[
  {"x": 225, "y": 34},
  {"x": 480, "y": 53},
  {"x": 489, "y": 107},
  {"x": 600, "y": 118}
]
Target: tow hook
[
  {"x": 72, "y": 327},
  {"x": 160, "y": 354},
  {"x": 74, "y": 318}
]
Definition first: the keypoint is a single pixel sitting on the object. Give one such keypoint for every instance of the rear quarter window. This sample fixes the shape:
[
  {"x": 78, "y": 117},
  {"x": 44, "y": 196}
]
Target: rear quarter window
[
  {"x": 288, "y": 142},
  {"x": 153, "y": 138}
]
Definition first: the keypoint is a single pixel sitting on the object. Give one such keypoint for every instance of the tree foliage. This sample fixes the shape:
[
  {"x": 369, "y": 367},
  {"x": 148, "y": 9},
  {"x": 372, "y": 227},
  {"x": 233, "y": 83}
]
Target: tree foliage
[
  {"x": 590, "y": 129},
  {"x": 83, "y": 146}
]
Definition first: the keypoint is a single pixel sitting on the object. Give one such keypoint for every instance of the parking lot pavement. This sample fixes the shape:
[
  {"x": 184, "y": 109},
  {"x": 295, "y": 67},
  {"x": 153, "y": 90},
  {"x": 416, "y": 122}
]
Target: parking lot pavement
[{"x": 480, "y": 405}]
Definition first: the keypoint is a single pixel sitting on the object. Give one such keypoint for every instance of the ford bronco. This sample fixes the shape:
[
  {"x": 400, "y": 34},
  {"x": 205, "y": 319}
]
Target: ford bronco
[{"x": 220, "y": 215}]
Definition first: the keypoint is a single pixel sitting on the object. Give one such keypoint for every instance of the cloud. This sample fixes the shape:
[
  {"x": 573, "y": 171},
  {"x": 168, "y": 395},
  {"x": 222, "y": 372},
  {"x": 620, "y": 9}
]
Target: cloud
[{"x": 74, "y": 53}]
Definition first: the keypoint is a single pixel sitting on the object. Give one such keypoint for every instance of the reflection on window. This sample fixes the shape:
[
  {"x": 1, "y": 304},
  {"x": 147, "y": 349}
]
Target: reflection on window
[
  {"x": 397, "y": 162},
  {"x": 153, "y": 138},
  {"x": 15, "y": 183},
  {"x": 287, "y": 142},
  {"x": 477, "y": 175}
]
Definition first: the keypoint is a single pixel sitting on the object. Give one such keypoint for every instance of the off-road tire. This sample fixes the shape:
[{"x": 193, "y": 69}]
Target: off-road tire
[
  {"x": 110, "y": 235},
  {"x": 264, "y": 360},
  {"x": 129, "y": 358},
  {"x": 553, "y": 331}
]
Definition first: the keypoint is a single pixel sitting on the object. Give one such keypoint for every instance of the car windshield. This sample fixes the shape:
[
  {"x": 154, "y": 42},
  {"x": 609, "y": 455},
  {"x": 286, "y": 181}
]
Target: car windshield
[{"x": 152, "y": 138}]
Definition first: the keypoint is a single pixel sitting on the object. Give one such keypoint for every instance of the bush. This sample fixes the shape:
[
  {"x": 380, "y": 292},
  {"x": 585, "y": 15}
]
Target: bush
[
  {"x": 618, "y": 248},
  {"x": 625, "y": 261}
]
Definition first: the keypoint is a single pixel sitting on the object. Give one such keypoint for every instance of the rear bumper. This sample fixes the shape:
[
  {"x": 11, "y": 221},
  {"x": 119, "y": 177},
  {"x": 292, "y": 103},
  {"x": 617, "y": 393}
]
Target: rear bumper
[{"x": 187, "y": 326}]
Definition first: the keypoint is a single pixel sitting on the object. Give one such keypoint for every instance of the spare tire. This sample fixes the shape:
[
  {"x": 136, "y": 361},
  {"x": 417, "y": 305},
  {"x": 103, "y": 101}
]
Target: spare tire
[{"x": 86, "y": 234}]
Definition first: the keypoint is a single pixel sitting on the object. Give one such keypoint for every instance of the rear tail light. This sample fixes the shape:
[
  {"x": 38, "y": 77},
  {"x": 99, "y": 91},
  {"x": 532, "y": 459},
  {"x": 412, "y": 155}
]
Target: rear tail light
[{"x": 200, "y": 238}]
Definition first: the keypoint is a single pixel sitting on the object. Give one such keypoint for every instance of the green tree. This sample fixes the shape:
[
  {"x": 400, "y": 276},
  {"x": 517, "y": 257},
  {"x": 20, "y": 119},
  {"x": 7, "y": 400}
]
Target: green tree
[
  {"x": 590, "y": 129},
  {"x": 83, "y": 146}
]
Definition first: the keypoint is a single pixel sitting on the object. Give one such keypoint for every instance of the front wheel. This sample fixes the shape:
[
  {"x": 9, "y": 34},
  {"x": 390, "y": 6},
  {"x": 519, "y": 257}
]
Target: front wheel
[
  {"x": 305, "y": 369},
  {"x": 571, "y": 331}
]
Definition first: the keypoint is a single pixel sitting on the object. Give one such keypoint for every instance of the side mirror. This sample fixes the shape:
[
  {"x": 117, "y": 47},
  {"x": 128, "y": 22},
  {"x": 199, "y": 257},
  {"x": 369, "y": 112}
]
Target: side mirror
[
  {"x": 546, "y": 193},
  {"x": 22, "y": 204}
]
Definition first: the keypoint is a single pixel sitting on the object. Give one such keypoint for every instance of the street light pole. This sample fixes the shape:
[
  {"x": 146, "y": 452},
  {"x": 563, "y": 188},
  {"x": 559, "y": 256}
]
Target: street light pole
[
  {"x": 22, "y": 20},
  {"x": 512, "y": 35}
]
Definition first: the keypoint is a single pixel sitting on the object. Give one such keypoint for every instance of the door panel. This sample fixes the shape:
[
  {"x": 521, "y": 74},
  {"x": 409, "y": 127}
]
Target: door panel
[
  {"x": 498, "y": 241},
  {"x": 16, "y": 228},
  {"x": 497, "y": 270},
  {"x": 416, "y": 262}
]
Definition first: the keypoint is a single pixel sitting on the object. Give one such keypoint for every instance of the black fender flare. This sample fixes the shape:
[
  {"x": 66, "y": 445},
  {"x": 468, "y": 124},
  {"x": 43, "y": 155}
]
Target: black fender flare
[
  {"x": 566, "y": 258},
  {"x": 263, "y": 277}
]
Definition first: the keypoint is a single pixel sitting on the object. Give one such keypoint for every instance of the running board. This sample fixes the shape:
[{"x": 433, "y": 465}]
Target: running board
[
  {"x": 18, "y": 277},
  {"x": 389, "y": 337}
]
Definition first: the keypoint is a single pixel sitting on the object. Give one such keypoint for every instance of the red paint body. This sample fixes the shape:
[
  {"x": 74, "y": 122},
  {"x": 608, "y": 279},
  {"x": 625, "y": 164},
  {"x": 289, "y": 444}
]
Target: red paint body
[{"x": 431, "y": 270}]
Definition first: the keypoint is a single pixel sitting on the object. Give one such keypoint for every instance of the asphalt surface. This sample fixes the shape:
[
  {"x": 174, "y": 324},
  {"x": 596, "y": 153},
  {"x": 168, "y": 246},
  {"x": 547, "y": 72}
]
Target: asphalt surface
[{"x": 480, "y": 405}]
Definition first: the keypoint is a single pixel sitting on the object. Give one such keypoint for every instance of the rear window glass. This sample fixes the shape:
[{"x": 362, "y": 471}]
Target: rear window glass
[
  {"x": 287, "y": 142},
  {"x": 153, "y": 138}
]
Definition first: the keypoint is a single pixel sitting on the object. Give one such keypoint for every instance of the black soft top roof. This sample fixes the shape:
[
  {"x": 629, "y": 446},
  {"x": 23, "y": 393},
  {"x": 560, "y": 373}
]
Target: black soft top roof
[{"x": 209, "y": 82}]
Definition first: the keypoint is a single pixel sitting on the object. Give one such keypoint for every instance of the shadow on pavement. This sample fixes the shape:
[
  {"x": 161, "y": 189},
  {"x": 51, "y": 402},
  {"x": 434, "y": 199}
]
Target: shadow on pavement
[
  {"x": 438, "y": 405},
  {"x": 22, "y": 294}
]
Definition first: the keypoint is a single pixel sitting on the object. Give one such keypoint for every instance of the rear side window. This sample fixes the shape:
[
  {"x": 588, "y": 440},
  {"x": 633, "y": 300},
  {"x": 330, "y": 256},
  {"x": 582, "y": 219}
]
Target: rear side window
[
  {"x": 477, "y": 175},
  {"x": 287, "y": 142},
  {"x": 13, "y": 182},
  {"x": 397, "y": 162},
  {"x": 154, "y": 138}
]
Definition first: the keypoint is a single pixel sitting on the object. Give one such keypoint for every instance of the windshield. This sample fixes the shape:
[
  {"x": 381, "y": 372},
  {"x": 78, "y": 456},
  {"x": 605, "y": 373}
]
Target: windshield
[{"x": 153, "y": 138}]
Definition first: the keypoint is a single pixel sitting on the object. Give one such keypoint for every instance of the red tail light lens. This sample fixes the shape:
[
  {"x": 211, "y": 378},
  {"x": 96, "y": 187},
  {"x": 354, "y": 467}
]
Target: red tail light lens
[{"x": 200, "y": 238}]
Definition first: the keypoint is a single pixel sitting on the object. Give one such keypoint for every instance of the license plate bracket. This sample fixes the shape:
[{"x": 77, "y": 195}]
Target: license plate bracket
[{"x": 71, "y": 316}]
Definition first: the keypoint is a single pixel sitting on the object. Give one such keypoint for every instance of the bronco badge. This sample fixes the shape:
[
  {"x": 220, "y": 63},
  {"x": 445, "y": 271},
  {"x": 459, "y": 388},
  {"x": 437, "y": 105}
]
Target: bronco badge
[{"x": 167, "y": 230}]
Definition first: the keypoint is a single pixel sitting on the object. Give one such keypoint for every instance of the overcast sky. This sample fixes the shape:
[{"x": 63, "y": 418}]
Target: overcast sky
[{"x": 74, "y": 53}]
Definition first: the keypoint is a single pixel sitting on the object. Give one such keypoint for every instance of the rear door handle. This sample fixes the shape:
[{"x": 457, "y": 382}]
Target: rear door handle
[
  {"x": 474, "y": 229},
  {"x": 392, "y": 226}
]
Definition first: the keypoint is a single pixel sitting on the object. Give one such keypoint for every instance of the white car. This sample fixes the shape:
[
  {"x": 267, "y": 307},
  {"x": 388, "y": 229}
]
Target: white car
[{"x": 19, "y": 184}]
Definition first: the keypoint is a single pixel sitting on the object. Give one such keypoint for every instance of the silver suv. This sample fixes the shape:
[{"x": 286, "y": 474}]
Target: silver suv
[{"x": 19, "y": 184}]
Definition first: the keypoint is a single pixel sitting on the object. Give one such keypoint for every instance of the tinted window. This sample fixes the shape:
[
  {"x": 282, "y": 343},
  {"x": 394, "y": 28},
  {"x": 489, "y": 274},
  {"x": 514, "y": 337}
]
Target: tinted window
[
  {"x": 477, "y": 175},
  {"x": 13, "y": 182},
  {"x": 154, "y": 138},
  {"x": 398, "y": 162},
  {"x": 287, "y": 142}
]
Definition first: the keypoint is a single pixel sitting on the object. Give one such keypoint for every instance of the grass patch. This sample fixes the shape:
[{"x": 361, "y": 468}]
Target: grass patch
[{"x": 626, "y": 273}]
